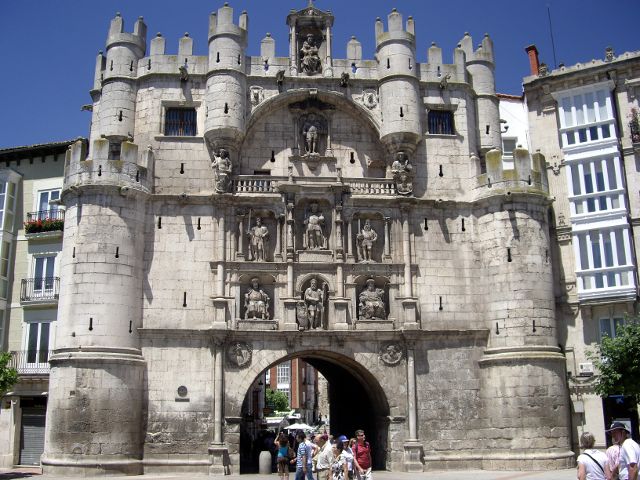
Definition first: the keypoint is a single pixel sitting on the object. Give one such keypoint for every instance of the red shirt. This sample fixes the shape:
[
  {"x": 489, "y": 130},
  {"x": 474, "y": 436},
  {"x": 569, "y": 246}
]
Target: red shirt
[{"x": 362, "y": 454}]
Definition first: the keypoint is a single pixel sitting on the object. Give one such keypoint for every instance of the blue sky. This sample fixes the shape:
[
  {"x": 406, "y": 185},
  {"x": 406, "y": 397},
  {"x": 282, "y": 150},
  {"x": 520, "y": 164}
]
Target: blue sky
[{"x": 48, "y": 47}]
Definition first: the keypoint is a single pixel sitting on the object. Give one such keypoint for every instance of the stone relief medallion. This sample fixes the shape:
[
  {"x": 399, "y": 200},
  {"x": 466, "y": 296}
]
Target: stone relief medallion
[
  {"x": 391, "y": 353},
  {"x": 256, "y": 95},
  {"x": 369, "y": 98},
  {"x": 239, "y": 354}
]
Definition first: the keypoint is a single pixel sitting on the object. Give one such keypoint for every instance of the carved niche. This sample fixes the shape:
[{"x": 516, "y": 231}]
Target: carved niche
[
  {"x": 372, "y": 301},
  {"x": 312, "y": 308}
]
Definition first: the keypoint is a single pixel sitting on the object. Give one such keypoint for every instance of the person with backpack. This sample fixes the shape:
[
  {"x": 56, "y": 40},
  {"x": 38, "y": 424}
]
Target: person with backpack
[
  {"x": 362, "y": 457},
  {"x": 591, "y": 463}
]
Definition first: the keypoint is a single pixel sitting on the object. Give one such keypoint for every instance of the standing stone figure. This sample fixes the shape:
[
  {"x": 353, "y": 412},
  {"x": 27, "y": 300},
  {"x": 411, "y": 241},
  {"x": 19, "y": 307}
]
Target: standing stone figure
[
  {"x": 371, "y": 302},
  {"x": 314, "y": 299},
  {"x": 402, "y": 172},
  {"x": 365, "y": 240},
  {"x": 310, "y": 60},
  {"x": 222, "y": 170},
  {"x": 256, "y": 302},
  {"x": 258, "y": 235},
  {"x": 310, "y": 133},
  {"x": 314, "y": 236}
]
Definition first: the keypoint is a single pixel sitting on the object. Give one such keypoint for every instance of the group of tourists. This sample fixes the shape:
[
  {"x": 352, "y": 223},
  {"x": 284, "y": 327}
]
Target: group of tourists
[
  {"x": 323, "y": 457},
  {"x": 620, "y": 462}
]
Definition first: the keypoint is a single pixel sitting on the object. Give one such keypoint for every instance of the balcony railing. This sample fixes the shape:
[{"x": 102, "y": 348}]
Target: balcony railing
[
  {"x": 371, "y": 186},
  {"x": 44, "y": 221},
  {"x": 40, "y": 289},
  {"x": 30, "y": 362},
  {"x": 256, "y": 183}
]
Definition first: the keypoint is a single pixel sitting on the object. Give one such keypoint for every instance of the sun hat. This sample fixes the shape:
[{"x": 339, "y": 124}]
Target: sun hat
[{"x": 618, "y": 426}]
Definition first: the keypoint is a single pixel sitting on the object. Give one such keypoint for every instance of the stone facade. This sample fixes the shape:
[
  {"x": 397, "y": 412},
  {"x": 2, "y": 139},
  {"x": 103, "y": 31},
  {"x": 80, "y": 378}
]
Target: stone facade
[{"x": 442, "y": 324}]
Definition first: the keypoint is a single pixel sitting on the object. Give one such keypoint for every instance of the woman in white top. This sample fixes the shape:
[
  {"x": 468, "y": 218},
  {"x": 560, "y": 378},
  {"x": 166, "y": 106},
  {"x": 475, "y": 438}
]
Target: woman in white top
[{"x": 591, "y": 463}]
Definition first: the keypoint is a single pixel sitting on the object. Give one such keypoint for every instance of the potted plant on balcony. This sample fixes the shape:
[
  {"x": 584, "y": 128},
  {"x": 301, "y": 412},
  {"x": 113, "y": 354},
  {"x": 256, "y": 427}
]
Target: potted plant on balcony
[
  {"x": 43, "y": 225},
  {"x": 634, "y": 125}
]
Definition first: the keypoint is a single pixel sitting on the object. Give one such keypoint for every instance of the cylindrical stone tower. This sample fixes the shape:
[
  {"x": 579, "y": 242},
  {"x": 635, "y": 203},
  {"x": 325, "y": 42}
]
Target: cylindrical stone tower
[
  {"x": 95, "y": 407},
  {"x": 523, "y": 370},
  {"x": 226, "y": 94},
  {"x": 115, "y": 115},
  {"x": 480, "y": 65},
  {"x": 398, "y": 84}
]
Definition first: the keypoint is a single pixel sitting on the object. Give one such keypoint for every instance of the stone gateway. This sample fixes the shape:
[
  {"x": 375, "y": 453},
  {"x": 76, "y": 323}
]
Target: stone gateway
[{"x": 403, "y": 261}]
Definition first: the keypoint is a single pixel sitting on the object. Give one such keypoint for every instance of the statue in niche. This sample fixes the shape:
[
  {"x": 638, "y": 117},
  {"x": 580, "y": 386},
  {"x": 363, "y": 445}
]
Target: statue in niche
[
  {"x": 258, "y": 238},
  {"x": 222, "y": 168},
  {"x": 314, "y": 301},
  {"x": 309, "y": 59},
  {"x": 313, "y": 127},
  {"x": 402, "y": 172},
  {"x": 256, "y": 302},
  {"x": 314, "y": 238},
  {"x": 365, "y": 240},
  {"x": 371, "y": 302}
]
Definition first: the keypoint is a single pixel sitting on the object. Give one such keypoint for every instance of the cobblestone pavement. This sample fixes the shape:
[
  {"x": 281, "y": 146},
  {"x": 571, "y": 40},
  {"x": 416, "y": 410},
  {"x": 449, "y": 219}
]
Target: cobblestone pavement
[{"x": 434, "y": 475}]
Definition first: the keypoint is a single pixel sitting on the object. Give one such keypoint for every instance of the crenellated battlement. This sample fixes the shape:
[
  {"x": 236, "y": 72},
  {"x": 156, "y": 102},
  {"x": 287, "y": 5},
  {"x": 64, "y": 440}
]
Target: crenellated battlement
[
  {"x": 130, "y": 170},
  {"x": 528, "y": 175},
  {"x": 483, "y": 53},
  {"x": 221, "y": 24},
  {"x": 396, "y": 31},
  {"x": 137, "y": 39}
]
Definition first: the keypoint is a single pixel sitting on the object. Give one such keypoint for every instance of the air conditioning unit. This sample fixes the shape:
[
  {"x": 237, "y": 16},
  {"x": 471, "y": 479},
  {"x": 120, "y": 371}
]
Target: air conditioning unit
[{"x": 585, "y": 369}]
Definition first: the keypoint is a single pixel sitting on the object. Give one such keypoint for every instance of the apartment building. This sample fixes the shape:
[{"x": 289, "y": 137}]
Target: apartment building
[{"x": 31, "y": 226}]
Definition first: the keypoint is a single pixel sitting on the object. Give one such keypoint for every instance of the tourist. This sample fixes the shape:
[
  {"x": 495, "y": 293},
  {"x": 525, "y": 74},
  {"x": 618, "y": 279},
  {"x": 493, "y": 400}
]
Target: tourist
[
  {"x": 362, "y": 457},
  {"x": 613, "y": 462},
  {"x": 591, "y": 463},
  {"x": 348, "y": 454},
  {"x": 339, "y": 468},
  {"x": 304, "y": 457},
  {"x": 285, "y": 455},
  {"x": 325, "y": 458},
  {"x": 629, "y": 451}
]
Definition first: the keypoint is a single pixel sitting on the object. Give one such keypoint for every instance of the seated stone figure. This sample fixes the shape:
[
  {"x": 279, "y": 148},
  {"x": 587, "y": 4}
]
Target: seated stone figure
[
  {"x": 256, "y": 302},
  {"x": 371, "y": 302}
]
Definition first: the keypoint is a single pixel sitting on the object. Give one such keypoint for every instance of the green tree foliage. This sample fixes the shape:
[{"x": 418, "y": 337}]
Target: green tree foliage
[
  {"x": 618, "y": 361},
  {"x": 8, "y": 375},
  {"x": 277, "y": 400}
]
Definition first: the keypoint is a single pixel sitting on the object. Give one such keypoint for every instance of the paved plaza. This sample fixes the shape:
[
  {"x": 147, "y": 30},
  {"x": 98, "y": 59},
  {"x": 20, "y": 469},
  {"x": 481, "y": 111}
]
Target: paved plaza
[{"x": 435, "y": 475}]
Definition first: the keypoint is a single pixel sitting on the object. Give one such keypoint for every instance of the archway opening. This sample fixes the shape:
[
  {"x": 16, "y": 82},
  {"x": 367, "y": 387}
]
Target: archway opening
[{"x": 354, "y": 396}]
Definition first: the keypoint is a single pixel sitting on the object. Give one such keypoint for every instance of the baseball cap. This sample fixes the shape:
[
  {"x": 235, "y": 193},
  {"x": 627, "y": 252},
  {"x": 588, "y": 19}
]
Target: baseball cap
[
  {"x": 618, "y": 426},
  {"x": 342, "y": 438}
]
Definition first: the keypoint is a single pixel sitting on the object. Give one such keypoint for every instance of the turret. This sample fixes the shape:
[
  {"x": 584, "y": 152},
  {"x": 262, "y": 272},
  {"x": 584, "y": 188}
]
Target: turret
[
  {"x": 399, "y": 89},
  {"x": 480, "y": 66},
  {"x": 115, "y": 116},
  {"x": 226, "y": 80}
]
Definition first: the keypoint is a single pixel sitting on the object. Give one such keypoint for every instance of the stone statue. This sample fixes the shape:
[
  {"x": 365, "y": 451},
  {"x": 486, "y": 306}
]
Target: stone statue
[
  {"x": 258, "y": 237},
  {"x": 365, "y": 240},
  {"x": 314, "y": 238},
  {"x": 309, "y": 59},
  {"x": 222, "y": 170},
  {"x": 310, "y": 133},
  {"x": 314, "y": 299},
  {"x": 256, "y": 302},
  {"x": 391, "y": 354},
  {"x": 371, "y": 302},
  {"x": 402, "y": 172}
]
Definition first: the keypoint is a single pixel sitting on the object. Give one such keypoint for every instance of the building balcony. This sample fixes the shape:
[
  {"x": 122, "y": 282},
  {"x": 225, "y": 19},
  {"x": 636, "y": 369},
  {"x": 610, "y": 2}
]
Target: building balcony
[
  {"x": 44, "y": 224},
  {"x": 41, "y": 291},
  {"x": 30, "y": 362},
  {"x": 264, "y": 184}
]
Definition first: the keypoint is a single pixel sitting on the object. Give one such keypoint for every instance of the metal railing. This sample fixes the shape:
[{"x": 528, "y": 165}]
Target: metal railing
[
  {"x": 51, "y": 214},
  {"x": 30, "y": 362},
  {"x": 40, "y": 289}
]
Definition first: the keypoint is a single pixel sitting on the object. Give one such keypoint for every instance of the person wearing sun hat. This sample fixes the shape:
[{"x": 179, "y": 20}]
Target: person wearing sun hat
[{"x": 629, "y": 451}]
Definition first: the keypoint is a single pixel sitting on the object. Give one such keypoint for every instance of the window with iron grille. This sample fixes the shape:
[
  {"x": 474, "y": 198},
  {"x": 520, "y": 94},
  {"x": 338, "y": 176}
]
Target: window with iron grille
[
  {"x": 180, "y": 122},
  {"x": 441, "y": 122}
]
